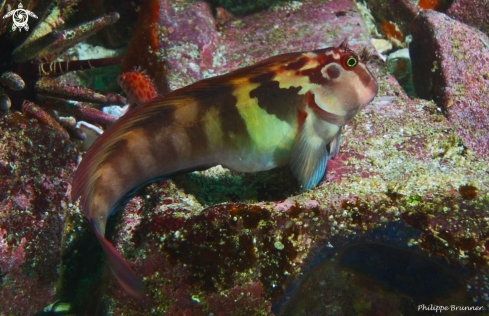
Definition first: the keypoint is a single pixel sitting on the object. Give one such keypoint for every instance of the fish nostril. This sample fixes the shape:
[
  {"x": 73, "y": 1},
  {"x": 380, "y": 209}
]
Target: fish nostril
[{"x": 333, "y": 72}]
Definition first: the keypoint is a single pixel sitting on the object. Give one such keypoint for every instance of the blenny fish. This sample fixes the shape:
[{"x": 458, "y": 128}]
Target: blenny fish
[
  {"x": 285, "y": 110},
  {"x": 138, "y": 87}
]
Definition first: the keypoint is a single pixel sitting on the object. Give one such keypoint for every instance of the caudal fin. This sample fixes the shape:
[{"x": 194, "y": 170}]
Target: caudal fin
[{"x": 120, "y": 268}]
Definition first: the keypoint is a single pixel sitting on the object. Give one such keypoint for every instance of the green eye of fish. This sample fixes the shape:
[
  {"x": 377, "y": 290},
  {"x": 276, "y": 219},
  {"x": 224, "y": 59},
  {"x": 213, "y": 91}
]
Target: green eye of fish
[{"x": 350, "y": 62}]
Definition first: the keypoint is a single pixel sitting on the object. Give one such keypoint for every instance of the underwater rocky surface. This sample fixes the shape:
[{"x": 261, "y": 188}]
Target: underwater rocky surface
[
  {"x": 452, "y": 67},
  {"x": 36, "y": 167},
  {"x": 473, "y": 13},
  {"x": 401, "y": 220}
]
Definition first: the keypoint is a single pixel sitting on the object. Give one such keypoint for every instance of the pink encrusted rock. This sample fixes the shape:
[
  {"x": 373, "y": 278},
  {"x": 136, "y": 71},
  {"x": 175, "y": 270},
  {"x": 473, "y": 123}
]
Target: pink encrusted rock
[
  {"x": 473, "y": 13},
  {"x": 193, "y": 47},
  {"x": 36, "y": 167},
  {"x": 451, "y": 65}
]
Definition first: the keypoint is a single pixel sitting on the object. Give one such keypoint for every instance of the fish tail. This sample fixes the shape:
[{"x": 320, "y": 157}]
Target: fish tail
[
  {"x": 118, "y": 162},
  {"x": 120, "y": 268}
]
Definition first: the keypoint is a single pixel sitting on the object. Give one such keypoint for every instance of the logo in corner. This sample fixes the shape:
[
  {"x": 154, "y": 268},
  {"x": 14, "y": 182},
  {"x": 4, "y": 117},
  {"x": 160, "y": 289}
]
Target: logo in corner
[{"x": 20, "y": 17}]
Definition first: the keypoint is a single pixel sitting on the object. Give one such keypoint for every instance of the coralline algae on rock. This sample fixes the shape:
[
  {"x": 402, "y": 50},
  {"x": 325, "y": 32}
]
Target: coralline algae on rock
[
  {"x": 36, "y": 167},
  {"x": 473, "y": 13},
  {"x": 187, "y": 38},
  {"x": 451, "y": 64},
  {"x": 245, "y": 6}
]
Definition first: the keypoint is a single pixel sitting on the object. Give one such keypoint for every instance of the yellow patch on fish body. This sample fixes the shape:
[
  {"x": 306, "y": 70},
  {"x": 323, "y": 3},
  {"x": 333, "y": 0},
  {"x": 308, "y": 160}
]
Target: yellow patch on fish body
[
  {"x": 289, "y": 79},
  {"x": 213, "y": 128},
  {"x": 286, "y": 110},
  {"x": 258, "y": 124}
]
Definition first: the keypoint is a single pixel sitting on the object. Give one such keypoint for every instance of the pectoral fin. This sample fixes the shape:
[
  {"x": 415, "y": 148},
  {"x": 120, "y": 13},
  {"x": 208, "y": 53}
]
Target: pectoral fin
[
  {"x": 334, "y": 146},
  {"x": 315, "y": 143}
]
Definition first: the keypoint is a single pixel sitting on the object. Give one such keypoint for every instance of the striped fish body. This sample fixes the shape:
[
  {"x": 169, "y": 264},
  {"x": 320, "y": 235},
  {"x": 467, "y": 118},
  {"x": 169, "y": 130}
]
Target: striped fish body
[{"x": 286, "y": 110}]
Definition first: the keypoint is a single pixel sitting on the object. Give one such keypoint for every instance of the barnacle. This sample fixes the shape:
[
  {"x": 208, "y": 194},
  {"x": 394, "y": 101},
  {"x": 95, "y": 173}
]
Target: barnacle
[{"x": 28, "y": 68}]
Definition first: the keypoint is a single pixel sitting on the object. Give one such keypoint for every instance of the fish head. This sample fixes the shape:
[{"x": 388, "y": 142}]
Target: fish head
[
  {"x": 126, "y": 82},
  {"x": 121, "y": 80},
  {"x": 130, "y": 83},
  {"x": 341, "y": 83},
  {"x": 356, "y": 78}
]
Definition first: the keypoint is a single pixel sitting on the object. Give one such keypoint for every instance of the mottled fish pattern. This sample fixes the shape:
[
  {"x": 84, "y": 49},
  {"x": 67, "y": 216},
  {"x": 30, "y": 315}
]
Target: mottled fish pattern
[
  {"x": 286, "y": 110},
  {"x": 137, "y": 86}
]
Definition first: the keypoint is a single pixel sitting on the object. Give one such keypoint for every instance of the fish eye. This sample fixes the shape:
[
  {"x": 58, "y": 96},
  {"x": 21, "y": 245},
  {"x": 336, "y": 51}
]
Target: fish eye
[{"x": 350, "y": 62}]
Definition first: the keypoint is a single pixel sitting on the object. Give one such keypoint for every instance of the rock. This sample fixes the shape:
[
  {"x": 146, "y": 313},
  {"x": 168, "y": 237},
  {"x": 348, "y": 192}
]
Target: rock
[
  {"x": 363, "y": 274},
  {"x": 246, "y": 6},
  {"x": 190, "y": 56},
  {"x": 36, "y": 167},
  {"x": 451, "y": 64},
  {"x": 382, "y": 46},
  {"x": 473, "y": 13},
  {"x": 399, "y": 64}
]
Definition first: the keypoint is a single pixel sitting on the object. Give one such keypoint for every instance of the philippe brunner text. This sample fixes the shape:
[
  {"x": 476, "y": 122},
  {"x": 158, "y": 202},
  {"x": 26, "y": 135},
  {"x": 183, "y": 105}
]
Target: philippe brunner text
[{"x": 451, "y": 308}]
